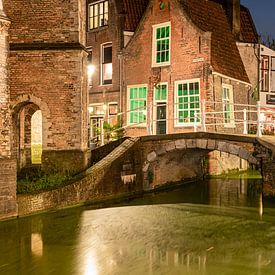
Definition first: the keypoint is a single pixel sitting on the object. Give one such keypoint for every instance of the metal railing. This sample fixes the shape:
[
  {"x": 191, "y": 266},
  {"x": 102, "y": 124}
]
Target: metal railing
[{"x": 210, "y": 115}]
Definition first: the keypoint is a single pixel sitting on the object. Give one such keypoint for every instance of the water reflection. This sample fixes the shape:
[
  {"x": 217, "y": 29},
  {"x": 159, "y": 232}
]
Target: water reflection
[{"x": 216, "y": 227}]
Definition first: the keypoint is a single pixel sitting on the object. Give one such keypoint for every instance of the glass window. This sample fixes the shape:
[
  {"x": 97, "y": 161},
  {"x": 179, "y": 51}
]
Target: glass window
[
  {"x": 98, "y": 14},
  {"x": 161, "y": 44},
  {"x": 188, "y": 102},
  {"x": 161, "y": 92},
  {"x": 228, "y": 104},
  {"x": 107, "y": 65},
  {"x": 137, "y": 104}
]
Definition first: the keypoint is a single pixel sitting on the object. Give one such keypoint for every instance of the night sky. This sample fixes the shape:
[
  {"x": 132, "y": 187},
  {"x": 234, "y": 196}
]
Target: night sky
[{"x": 263, "y": 13}]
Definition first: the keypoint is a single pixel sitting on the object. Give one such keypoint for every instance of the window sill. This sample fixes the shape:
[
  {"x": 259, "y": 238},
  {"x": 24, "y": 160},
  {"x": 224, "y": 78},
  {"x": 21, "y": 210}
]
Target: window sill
[
  {"x": 187, "y": 125},
  {"x": 98, "y": 29},
  {"x": 132, "y": 126},
  {"x": 156, "y": 65}
]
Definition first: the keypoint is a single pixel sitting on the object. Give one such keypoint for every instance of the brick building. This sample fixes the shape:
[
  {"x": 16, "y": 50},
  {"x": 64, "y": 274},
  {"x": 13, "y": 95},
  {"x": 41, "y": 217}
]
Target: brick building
[
  {"x": 47, "y": 73},
  {"x": 110, "y": 25},
  {"x": 187, "y": 53}
]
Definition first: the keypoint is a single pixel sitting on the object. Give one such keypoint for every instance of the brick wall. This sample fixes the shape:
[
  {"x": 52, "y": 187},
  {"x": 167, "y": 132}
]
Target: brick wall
[
  {"x": 48, "y": 70},
  {"x": 8, "y": 205},
  {"x": 53, "y": 77},
  {"x": 115, "y": 176},
  {"x": 49, "y": 21},
  {"x": 4, "y": 92}
]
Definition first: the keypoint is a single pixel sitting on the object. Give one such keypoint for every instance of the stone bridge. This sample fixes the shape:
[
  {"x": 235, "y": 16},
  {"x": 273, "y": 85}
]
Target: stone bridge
[
  {"x": 172, "y": 158},
  {"x": 131, "y": 166}
]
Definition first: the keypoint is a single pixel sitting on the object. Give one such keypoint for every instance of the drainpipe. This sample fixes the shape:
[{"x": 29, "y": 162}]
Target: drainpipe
[{"x": 120, "y": 58}]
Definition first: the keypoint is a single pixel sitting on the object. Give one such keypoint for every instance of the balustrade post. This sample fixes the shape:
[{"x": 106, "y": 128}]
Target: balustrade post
[
  {"x": 195, "y": 121},
  {"x": 259, "y": 125},
  {"x": 150, "y": 120},
  {"x": 203, "y": 118},
  {"x": 245, "y": 122},
  {"x": 101, "y": 132}
]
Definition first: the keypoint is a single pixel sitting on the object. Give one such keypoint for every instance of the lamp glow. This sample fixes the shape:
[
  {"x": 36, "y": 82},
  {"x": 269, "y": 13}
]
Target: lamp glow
[{"x": 90, "y": 69}]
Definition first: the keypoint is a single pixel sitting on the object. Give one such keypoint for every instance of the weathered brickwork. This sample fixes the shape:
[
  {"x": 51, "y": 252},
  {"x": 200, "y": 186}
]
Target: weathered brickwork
[
  {"x": 48, "y": 72},
  {"x": 51, "y": 21},
  {"x": 108, "y": 179},
  {"x": 5, "y": 134},
  {"x": 8, "y": 206}
]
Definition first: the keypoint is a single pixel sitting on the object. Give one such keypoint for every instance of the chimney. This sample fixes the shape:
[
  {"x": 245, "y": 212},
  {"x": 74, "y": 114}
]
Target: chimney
[{"x": 234, "y": 16}]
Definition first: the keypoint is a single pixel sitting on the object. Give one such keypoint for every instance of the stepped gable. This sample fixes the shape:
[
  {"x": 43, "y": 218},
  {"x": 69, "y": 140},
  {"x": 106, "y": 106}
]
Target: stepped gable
[
  {"x": 225, "y": 57},
  {"x": 134, "y": 10}
]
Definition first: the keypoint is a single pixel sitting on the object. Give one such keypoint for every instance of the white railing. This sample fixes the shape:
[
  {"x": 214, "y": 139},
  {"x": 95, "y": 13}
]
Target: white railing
[{"x": 209, "y": 117}]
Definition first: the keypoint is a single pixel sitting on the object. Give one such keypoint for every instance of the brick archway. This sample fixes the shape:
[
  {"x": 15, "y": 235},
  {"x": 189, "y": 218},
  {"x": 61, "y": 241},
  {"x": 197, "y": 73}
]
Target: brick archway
[{"x": 23, "y": 109}]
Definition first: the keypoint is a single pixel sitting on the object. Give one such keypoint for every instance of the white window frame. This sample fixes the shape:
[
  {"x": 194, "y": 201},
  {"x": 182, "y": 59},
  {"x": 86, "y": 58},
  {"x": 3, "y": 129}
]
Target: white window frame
[
  {"x": 176, "y": 119},
  {"x": 154, "y": 45},
  {"x": 230, "y": 101},
  {"x": 102, "y": 46},
  {"x": 155, "y": 107},
  {"x": 141, "y": 125}
]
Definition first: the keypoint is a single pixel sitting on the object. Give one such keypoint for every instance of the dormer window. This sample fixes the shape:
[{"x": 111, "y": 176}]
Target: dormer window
[{"x": 98, "y": 14}]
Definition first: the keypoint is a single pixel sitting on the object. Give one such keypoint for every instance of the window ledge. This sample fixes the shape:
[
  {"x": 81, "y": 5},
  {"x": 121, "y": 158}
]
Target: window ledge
[
  {"x": 156, "y": 65},
  {"x": 98, "y": 29},
  {"x": 190, "y": 125}
]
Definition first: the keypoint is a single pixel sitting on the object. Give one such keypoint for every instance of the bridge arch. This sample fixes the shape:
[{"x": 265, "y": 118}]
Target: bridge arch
[{"x": 162, "y": 160}]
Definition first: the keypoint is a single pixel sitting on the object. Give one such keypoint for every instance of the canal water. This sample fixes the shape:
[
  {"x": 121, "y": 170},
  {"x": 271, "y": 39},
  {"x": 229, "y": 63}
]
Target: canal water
[{"x": 219, "y": 226}]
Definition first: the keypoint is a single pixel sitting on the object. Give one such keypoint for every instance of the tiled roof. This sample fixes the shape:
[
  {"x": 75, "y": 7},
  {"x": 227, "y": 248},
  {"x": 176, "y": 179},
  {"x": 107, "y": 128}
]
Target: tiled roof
[
  {"x": 225, "y": 56},
  {"x": 133, "y": 10},
  {"x": 248, "y": 29}
]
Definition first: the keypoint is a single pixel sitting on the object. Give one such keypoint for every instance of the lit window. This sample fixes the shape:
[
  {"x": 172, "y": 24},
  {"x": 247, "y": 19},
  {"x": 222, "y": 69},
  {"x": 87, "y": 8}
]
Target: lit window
[
  {"x": 106, "y": 64},
  {"x": 98, "y": 14},
  {"x": 161, "y": 44},
  {"x": 228, "y": 104},
  {"x": 137, "y": 104},
  {"x": 187, "y": 101}
]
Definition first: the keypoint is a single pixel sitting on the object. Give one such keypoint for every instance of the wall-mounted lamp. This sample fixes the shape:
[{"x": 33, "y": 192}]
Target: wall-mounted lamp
[{"x": 90, "y": 70}]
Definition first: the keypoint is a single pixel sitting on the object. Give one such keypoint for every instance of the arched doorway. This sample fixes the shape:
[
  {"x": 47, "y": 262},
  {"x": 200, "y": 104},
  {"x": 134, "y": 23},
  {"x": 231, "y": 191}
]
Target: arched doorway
[
  {"x": 36, "y": 137},
  {"x": 27, "y": 139}
]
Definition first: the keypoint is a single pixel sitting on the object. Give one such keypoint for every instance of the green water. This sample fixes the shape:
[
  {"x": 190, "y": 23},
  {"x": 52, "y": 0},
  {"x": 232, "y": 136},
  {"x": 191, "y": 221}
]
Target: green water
[{"x": 215, "y": 227}]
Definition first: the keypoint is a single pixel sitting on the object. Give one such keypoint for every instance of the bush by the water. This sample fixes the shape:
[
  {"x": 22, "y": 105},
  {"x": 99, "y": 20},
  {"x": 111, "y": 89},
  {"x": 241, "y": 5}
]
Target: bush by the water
[{"x": 41, "y": 182}]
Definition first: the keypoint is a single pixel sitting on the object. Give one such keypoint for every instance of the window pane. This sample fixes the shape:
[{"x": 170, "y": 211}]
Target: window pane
[
  {"x": 138, "y": 104},
  {"x": 107, "y": 54},
  {"x": 162, "y": 45},
  {"x": 98, "y": 14},
  {"x": 167, "y": 31},
  {"x": 190, "y": 100},
  {"x": 158, "y": 33}
]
